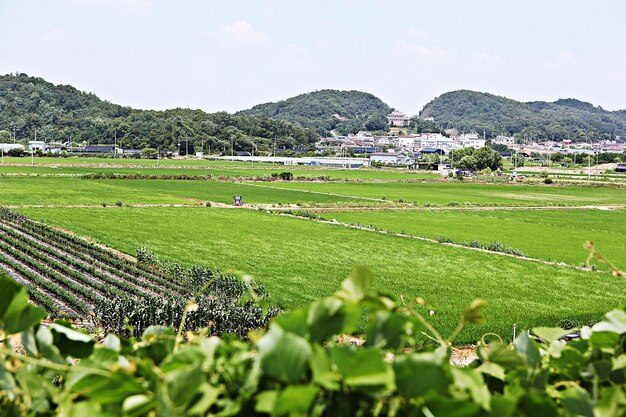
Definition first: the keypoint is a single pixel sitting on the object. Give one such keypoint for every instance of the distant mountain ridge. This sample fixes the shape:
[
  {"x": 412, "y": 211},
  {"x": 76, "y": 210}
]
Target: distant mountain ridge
[
  {"x": 565, "y": 118},
  {"x": 326, "y": 110},
  {"x": 60, "y": 112}
]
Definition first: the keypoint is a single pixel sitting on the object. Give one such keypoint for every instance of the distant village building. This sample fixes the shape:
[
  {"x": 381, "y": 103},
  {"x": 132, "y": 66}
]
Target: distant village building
[
  {"x": 36, "y": 145},
  {"x": 397, "y": 118},
  {"x": 392, "y": 158},
  {"x": 472, "y": 140},
  {"x": 6, "y": 147},
  {"x": 504, "y": 140}
]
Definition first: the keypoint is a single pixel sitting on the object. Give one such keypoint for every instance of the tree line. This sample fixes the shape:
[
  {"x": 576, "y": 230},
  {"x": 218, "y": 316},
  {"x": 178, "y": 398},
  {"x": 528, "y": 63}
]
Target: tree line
[{"x": 32, "y": 107}]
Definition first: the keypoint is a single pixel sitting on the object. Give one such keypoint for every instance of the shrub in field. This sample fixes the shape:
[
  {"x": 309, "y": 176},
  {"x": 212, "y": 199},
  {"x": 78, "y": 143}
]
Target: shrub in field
[{"x": 300, "y": 367}]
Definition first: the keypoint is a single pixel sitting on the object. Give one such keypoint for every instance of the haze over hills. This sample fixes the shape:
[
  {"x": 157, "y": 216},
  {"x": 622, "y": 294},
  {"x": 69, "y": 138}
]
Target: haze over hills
[
  {"x": 61, "y": 112},
  {"x": 565, "y": 118},
  {"x": 326, "y": 110}
]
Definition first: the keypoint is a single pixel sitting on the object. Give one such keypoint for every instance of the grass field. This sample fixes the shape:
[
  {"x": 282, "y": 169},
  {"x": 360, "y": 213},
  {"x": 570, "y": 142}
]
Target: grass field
[
  {"x": 249, "y": 171},
  {"x": 473, "y": 193},
  {"x": 117, "y": 161},
  {"x": 300, "y": 260},
  {"x": 79, "y": 191},
  {"x": 556, "y": 235}
]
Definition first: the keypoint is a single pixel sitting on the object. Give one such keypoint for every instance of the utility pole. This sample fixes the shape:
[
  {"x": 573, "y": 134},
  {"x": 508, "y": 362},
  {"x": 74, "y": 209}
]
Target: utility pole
[
  {"x": 158, "y": 154},
  {"x": 186, "y": 146},
  {"x": 115, "y": 144}
]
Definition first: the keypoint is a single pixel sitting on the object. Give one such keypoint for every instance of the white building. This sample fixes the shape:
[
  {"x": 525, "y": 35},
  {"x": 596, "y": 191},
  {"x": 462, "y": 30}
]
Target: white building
[
  {"x": 6, "y": 147},
  {"x": 36, "y": 145},
  {"x": 436, "y": 140},
  {"x": 406, "y": 142},
  {"x": 504, "y": 140},
  {"x": 397, "y": 118},
  {"x": 472, "y": 140},
  {"x": 392, "y": 158}
]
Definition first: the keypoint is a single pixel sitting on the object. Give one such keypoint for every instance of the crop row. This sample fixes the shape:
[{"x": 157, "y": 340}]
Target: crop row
[
  {"x": 81, "y": 292},
  {"x": 71, "y": 277},
  {"x": 140, "y": 275},
  {"x": 40, "y": 258},
  {"x": 37, "y": 281},
  {"x": 85, "y": 265}
]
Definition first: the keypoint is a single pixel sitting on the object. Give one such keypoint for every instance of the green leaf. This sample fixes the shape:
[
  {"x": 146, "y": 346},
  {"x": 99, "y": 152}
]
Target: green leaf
[
  {"x": 323, "y": 375},
  {"x": 615, "y": 322},
  {"x": 492, "y": 369},
  {"x": 295, "y": 400},
  {"x": 419, "y": 373},
  {"x": 112, "y": 389},
  {"x": 472, "y": 314},
  {"x": 471, "y": 380},
  {"x": 7, "y": 383},
  {"x": 138, "y": 405},
  {"x": 71, "y": 342},
  {"x": 499, "y": 353},
  {"x": 446, "y": 407},
  {"x": 577, "y": 402},
  {"x": 283, "y": 355},
  {"x": 355, "y": 287},
  {"x": 550, "y": 334},
  {"x": 362, "y": 367},
  {"x": 112, "y": 342},
  {"x": 265, "y": 402},
  {"x": 388, "y": 329},
  {"x": 526, "y": 346},
  {"x": 16, "y": 313},
  {"x": 85, "y": 408},
  {"x": 330, "y": 317},
  {"x": 294, "y": 321}
]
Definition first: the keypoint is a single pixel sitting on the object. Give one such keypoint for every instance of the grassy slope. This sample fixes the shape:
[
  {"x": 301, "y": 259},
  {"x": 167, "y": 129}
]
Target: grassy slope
[
  {"x": 496, "y": 194},
  {"x": 301, "y": 260},
  {"x": 552, "y": 235}
]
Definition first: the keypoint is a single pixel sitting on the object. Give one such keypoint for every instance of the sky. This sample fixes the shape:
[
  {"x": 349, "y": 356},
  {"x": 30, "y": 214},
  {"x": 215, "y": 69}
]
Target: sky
[{"x": 230, "y": 55}]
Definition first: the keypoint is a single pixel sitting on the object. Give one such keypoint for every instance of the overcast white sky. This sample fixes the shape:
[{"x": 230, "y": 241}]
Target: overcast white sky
[{"x": 229, "y": 55}]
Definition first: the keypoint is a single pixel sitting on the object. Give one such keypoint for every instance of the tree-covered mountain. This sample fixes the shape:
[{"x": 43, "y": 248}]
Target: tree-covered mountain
[
  {"x": 63, "y": 113},
  {"x": 326, "y": 110},
  {"x": 562, "y": 119}
]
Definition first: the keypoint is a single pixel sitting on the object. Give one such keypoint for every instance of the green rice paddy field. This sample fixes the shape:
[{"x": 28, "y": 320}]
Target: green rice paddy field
[
  {"x": 555, "y": 235},
  {"x": 246, "y": 171},
  {"x": 79, "y": 191},
  {"x": 300, "y": 260},
  {"x": 472, "y": 193}
]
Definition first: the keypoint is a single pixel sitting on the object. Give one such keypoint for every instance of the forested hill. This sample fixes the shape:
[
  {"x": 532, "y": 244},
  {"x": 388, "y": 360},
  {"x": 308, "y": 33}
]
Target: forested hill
[
  {"x": 325, "y": 110},
  {"x": 61, "y": 112},
  {"x": 565, "y": 118}
]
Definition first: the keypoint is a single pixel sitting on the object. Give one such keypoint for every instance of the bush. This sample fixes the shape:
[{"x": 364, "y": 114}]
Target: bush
[
  {"x": 547, "y": 181},
  {"x": 299, "y": 366}
]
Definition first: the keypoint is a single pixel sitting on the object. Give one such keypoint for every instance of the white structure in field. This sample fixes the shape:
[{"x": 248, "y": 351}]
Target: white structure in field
[
  {"x": 397, "y": 118},
  {"x": 6, "y": 147}
]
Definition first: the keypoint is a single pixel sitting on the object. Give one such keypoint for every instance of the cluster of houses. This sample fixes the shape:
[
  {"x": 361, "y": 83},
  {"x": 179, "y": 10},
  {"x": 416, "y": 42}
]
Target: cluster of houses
[{"x": 399, "y": 149}]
